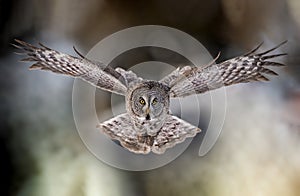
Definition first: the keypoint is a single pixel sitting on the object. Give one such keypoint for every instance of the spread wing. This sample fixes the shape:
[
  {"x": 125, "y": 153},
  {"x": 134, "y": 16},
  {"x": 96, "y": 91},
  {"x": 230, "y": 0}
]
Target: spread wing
[
  {"x": 246, "y": 68},
  {"x": 173, "y": 132},
  {"x": 96, "y": 73}
]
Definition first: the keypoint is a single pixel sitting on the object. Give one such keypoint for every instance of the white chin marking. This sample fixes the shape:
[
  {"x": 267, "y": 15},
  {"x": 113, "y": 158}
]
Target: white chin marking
[{"x": 141, "y": 118}]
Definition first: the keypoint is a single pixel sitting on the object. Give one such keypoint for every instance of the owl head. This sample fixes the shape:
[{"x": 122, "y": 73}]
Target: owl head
[{"x": 148, "y": 100}]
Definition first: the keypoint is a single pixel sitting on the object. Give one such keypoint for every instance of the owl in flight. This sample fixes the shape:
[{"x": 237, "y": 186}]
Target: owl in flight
[{"x": 148, "y": 124}]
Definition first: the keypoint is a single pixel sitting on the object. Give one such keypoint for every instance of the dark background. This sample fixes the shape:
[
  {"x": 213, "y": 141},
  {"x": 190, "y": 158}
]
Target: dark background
[{"x": 256, "y": 154}]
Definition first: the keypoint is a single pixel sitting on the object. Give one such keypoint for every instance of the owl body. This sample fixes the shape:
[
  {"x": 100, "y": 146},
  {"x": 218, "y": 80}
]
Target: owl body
[{"x": 147, "y": 126}]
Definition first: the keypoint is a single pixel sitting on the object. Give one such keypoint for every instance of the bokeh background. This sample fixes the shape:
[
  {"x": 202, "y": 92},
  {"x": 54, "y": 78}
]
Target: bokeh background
[{"x": 257, "y": 153}]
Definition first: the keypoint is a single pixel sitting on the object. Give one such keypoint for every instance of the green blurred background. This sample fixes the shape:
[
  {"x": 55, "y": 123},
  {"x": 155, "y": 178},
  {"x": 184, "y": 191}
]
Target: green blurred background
[{"x": 259, "y": 147}]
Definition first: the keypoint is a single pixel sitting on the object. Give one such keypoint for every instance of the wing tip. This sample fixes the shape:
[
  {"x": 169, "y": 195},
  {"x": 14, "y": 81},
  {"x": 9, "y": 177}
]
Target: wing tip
[
  {"x": 267, "y": 51},
  {"x": 34, "y": 67},
  {"x": 78, "y": 53}
]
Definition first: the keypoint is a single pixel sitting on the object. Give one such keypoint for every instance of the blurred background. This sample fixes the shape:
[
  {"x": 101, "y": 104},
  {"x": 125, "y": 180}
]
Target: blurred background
[{"x": 257, "y": 152}]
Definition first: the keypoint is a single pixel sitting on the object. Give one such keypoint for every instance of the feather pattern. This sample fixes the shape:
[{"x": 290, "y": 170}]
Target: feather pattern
[
  {"x": 95, "y": 73},
  {"x": 148, "y": 126},
  {"x": 242, "y": 69},
  {"x": 174, "y": 131}
]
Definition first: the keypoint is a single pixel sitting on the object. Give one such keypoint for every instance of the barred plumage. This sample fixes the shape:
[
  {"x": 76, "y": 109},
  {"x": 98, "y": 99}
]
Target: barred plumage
[
  {"x": 175, "y": 131},
  {"x": 147, "y": 126},
  {"x": 245, "y": 68},
  {"x": 51, "y": 60}
]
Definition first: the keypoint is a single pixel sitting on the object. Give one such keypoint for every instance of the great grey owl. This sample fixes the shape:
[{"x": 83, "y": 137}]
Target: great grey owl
[{"x": 148, "y": 125}]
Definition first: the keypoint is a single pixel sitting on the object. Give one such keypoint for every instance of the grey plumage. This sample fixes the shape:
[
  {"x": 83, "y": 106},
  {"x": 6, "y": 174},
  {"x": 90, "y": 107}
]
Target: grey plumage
[
  {"x": 242, "y": 69},
  {"x": 147, "y": 126},
  {"x": 51, "y": 60},
  {"x": 175, "y": 130}
]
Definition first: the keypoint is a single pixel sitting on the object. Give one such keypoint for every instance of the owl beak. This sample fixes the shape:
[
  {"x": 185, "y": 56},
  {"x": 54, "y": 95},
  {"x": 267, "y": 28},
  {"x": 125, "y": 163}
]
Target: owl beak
[
  {"x": 147, "y": 111},
  {"x": 147, "y": 114}
]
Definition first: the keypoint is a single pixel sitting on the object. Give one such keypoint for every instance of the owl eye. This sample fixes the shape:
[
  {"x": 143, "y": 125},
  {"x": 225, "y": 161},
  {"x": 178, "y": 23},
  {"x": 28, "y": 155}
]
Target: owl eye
[
  {"x": 142, "y": 101},
  {"x": 154, "y": 101}
]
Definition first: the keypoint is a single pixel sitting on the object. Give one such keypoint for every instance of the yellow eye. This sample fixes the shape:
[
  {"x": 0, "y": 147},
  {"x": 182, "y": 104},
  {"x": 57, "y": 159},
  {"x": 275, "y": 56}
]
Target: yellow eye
[
  {"x": 154, "y": 101},
  {"x": 142, "y": 101}
]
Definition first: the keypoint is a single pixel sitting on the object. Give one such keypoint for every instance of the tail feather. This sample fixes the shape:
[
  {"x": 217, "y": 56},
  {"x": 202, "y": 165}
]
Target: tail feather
[{"x": 174, "y": 131}]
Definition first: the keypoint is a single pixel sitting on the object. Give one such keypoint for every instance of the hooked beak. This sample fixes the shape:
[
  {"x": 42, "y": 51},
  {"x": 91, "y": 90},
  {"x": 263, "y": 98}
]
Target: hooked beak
[
  {"x": 147, "y": 110},
  {"x": 147, "y": 113}
]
